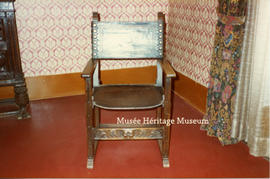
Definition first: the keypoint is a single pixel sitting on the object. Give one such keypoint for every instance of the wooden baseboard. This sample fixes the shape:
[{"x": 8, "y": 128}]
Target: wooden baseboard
[
  {"x": 191, "y": 91},
  {"x": 52, "y": 86}
]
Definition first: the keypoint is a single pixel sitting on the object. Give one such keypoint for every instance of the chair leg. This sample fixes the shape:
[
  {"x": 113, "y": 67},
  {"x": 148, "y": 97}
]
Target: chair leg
[
  {"x": 159, "y": 116},
  {"x": 166, "y": 140},
  {"x": 91, "y": 146},
  {"x": 90, "y": 141},
  {"x": 164, "y": 143},
  {"x": 97, "y": 117},
  {"x": 166, "y": 147},
  {"x": 89, "y": 123},
  {"x": 159, "y": 112},
  {"x": 167, "y": 129}
]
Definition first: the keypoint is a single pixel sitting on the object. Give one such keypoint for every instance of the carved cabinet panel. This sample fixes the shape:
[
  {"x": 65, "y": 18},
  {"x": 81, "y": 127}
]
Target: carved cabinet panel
[{"x": 11, "y": 73}]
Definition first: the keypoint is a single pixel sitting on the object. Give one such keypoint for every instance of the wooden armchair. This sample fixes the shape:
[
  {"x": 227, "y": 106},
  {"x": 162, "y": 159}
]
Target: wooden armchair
[{"x": 127, "y": 40}]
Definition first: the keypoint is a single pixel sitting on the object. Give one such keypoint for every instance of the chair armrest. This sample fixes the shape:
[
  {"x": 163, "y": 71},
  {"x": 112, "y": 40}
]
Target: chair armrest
[
  {"x": 89, "y": 69},
  {"x": 168, "y": 70}
]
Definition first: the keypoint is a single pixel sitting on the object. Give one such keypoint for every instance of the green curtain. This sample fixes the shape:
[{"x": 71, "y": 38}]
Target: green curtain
[{"x": 224, "y": 69}]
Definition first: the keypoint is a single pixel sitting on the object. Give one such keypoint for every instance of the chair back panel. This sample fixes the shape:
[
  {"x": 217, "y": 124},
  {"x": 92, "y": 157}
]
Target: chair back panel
[{"x": 127, "y": 40}]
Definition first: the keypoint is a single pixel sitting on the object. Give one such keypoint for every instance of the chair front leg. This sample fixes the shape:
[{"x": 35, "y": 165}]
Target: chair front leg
[
  {"x": 167, "y": 129},
  {"x": 89, "y": 123}
]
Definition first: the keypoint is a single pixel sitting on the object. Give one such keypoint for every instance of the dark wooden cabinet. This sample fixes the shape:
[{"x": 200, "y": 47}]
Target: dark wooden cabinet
[{"x": 11, "y": 73}]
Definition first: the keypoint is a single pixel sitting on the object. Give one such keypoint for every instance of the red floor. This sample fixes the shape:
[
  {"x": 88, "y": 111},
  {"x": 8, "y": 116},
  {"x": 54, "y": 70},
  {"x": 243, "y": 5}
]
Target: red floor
[{"x": 53, "y": 144}]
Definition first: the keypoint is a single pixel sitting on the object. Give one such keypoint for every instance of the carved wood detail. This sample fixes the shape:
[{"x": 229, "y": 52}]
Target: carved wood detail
[
  {"x": 127, "y": 133},
  {"x": 11, "y": 73}
]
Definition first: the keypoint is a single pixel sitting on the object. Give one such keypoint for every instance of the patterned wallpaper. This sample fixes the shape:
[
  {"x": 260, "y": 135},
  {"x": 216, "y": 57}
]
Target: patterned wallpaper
[
  {"x": 191, "y": 30},
  {"x": 54, "y": 35}
]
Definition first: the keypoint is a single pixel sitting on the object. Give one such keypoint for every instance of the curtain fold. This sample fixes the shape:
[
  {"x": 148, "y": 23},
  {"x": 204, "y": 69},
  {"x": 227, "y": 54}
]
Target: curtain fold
[
  {"x": 239, "y": 124},
  {"x": 238, "y": 93},
  {"x": 251, "y": 117}
]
